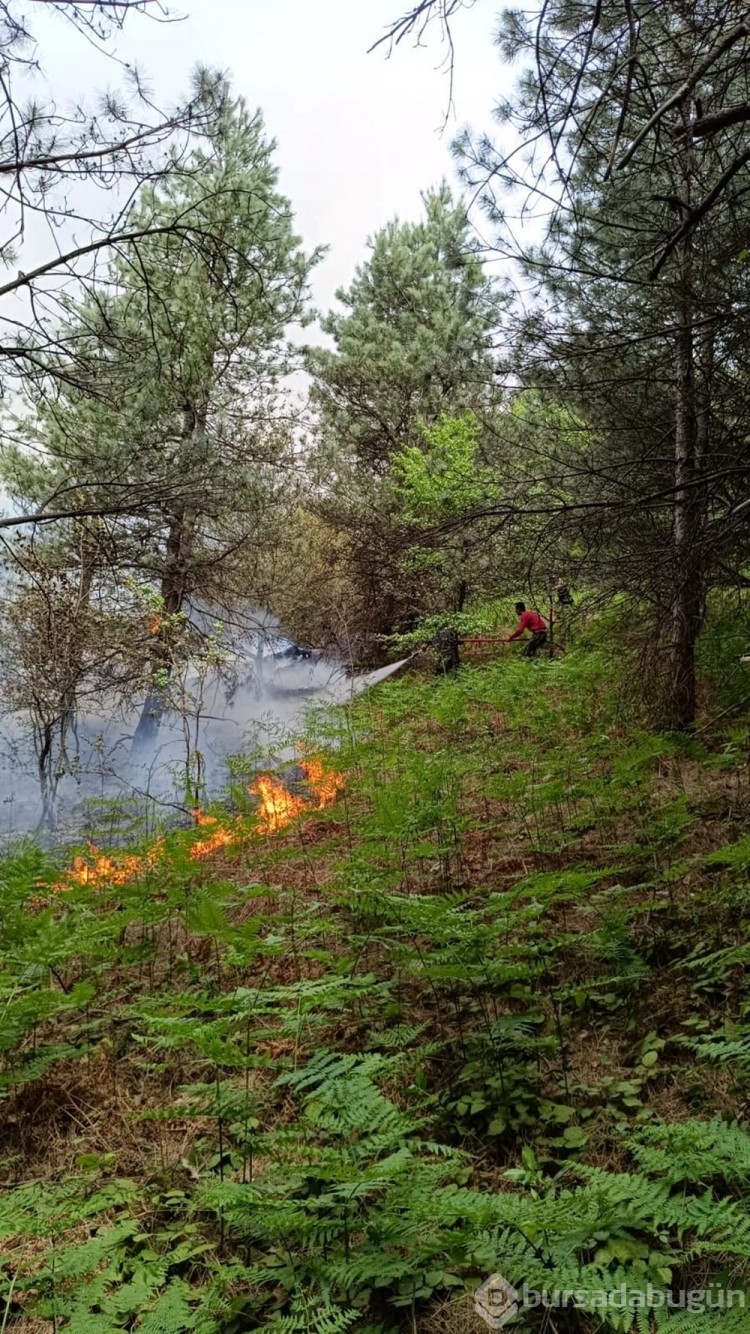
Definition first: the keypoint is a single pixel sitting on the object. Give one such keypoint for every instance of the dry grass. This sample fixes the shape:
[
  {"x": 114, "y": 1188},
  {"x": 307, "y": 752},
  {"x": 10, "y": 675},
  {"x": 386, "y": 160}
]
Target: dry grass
[
  {"x": 96, "y": 1106},
  {"x": 454, "y": 1317}
]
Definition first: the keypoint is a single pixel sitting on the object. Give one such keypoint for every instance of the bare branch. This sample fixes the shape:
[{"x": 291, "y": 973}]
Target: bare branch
[
  {"x": 696, "y": 74},
  {"x": 417, "y": 20},
  {"x": 696, "y": 214}
]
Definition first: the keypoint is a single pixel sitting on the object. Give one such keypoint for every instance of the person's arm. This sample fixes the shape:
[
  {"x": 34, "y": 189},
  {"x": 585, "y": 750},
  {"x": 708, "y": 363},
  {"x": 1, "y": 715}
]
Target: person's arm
[{"x": 517, "y": 633}]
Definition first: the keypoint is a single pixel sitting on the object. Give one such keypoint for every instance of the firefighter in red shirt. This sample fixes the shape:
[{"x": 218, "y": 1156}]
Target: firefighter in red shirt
[{"x": 530, "y": 620}]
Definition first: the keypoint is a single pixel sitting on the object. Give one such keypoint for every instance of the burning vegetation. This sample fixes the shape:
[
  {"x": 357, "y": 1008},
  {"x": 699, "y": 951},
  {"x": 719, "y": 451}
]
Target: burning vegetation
[
  {"x": 324, "y": 784},
  {"x": 277, "y": 805},
  {"x": 218, "y": 836},
  {"x": 277, "y": 808},
  {"x": 100, "y": 869}
]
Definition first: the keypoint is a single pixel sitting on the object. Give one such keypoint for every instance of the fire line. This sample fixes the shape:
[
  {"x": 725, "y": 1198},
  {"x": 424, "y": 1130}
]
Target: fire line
[{"x": 277, "y": 809}]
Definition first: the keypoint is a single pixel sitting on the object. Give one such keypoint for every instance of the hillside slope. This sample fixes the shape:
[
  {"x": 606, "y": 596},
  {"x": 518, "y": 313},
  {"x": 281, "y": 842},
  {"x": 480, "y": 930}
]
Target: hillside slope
[{"x": 485, "y": 1011}]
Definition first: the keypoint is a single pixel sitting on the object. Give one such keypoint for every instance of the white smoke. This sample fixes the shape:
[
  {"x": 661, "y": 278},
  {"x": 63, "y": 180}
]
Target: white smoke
[{"x": 253, "y": 710}]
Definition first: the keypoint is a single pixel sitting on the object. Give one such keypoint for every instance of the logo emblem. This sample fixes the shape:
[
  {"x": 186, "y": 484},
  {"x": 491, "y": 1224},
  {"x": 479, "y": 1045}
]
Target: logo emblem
[{"x": 496, "y": 1301}]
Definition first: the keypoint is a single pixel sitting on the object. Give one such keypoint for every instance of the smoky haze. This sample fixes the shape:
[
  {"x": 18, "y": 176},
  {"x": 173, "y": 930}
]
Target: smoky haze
[{"x": 250, "y": 711}]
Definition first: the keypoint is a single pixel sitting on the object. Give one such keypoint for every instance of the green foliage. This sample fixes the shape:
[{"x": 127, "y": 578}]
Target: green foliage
[
  {"x": 434, "y": 1033},
  {"x": 438, "y": 485},
  {"x": 726, "y": 639},
  {"x": 412, "y": 348},
  {"x": 443, "y": 479},
  {"x": 412, "y": 339}
]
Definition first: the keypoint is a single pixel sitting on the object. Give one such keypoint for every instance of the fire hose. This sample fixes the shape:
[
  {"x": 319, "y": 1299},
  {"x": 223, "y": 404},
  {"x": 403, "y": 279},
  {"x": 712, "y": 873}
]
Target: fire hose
[{"x": 483, "y": 639}]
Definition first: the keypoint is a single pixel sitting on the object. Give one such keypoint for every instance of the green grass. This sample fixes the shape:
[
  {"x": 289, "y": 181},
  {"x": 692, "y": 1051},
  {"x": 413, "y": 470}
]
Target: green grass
[{"x": 488, "y": 1012}]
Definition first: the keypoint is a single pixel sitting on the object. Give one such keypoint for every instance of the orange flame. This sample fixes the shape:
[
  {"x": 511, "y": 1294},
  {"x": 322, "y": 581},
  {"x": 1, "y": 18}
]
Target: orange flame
[
  {"x": 324, "y": 785},
  {"x": 102, "y": 870},
  {"x": 278, "y": 807},
  {"x": 221, "y": 837}
]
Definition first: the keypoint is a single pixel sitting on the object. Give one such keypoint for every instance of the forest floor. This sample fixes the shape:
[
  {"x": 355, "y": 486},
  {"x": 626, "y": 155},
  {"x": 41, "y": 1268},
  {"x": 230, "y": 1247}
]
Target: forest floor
[{"x": 485, "y": 1011}]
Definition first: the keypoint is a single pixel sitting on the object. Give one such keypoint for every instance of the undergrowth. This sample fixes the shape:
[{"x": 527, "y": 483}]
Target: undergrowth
[{"x": 487, "y": 1013}]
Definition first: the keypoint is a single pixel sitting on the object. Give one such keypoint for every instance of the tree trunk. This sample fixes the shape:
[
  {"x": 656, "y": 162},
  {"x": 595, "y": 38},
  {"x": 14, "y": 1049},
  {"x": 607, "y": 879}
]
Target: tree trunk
[
  {"x": 687, "y": 578},
  {"x": 43, "y": 737},
  {"x": 687, "y": 588},
  {"x": 174, "y": 588}
]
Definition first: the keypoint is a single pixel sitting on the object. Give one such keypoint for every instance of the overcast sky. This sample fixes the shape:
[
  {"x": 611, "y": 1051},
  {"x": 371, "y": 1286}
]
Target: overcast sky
[{"x": 358, "y": 135}]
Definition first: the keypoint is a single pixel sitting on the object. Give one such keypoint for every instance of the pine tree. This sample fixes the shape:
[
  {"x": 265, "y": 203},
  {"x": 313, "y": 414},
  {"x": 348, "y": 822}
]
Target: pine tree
[
  {"x": 414, "y": 342},
  {"x": 175, "y": 424},
  {"x": 414, "y": 339},
  {"x": 635, "y": 140}
]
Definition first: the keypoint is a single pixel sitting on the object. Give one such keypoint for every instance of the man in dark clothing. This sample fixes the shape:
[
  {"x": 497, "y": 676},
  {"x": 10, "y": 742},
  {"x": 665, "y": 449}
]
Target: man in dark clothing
[
  {"x": 449, "y": 656},
  {"x": 536, "y": 624},
  {"x": 563, "y": 593}
]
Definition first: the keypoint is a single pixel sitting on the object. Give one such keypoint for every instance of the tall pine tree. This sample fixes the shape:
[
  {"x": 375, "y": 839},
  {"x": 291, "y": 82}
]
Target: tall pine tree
[
  {"x": 413, "y": 342},
  {"x": 178, "y": 425}
]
